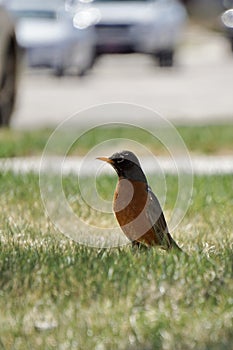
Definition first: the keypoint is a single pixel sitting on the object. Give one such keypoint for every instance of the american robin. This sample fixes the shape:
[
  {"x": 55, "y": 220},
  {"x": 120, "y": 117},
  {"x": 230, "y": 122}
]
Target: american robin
[{"x": 136, "y": 207}]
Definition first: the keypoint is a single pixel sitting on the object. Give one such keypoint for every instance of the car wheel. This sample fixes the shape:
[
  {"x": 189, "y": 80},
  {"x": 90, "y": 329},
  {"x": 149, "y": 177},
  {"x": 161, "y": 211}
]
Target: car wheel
[
  {"x": 82, "y": 72},
  {"x": 165, "y": 58},
  {"x": 59, "y": 71},
  {"x": 94, "y": 58},
  {"x": 8, "y": 84},
  {"x": 90, "y": 61}
]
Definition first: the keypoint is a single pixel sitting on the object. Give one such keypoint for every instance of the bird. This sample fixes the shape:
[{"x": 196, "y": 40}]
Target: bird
[{"x": 136, "y": 207}]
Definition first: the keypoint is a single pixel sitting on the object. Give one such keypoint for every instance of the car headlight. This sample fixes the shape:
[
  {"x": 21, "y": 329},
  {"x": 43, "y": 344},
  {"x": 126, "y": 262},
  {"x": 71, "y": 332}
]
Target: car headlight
[
  {"x": 86, "y": 18},
  {"x": 227, "y": 18}
]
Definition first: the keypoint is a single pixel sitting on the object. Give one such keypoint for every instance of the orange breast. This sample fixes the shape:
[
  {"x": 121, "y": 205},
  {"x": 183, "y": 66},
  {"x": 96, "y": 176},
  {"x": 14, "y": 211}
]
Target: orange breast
[{"x": 130, "y": 205}]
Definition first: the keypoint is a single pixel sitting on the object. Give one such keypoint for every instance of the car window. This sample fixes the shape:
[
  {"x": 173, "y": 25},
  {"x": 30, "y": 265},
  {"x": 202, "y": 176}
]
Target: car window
[
  {"x": 122, "y": 0},
  {"x": 34, "y": 14},
  {"x": 76, "y": 2},
  {"x": 28, "y": 3}
]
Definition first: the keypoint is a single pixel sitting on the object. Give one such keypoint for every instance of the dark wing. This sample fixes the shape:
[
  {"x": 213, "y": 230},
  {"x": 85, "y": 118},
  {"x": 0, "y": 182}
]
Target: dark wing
[{"x": 155, "y": 215}]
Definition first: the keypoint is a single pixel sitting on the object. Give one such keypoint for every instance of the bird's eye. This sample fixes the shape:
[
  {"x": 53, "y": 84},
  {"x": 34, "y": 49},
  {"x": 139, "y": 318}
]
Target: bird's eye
[{"x": 120, "y": 160}]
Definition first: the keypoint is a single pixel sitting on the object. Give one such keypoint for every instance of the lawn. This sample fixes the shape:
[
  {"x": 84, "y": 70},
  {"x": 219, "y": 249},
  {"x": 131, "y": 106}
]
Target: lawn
[
  {"x": 57, "y": 294},
  {"x": 213, "y": 139}
]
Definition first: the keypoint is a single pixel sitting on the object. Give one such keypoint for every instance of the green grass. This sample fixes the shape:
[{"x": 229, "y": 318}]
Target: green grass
[
  {"x": 115, "y": 298},
  {"x": 216, "y": 139}
]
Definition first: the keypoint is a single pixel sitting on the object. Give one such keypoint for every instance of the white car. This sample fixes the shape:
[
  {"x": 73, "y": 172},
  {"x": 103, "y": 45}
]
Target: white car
[
  {"x": 148, "y": 26},
  {"x": 47, "y": 33},
  {"x": 8, "y": 66}
]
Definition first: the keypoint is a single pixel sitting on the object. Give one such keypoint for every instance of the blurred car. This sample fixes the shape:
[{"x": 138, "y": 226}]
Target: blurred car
[
  {"x": 8, "y": 66},
  {"x": 145, "y": 26},
  {"x": 227, "y": 20},
  {"x": 47, "y": 33}
]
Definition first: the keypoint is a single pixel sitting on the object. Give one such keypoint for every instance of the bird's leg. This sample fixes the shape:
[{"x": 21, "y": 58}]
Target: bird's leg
[
  {"x": 136, "y": 244},
  {"x": 139, "y": 246}
]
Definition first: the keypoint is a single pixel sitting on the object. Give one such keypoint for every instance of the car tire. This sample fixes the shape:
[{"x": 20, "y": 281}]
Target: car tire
[
  {"x": 8, "y": 84},
  {"x": 91, "y": 61},
  {"x": 94, "y": 58},
  {"x": 59, "y": 71},
  {"x": 165, "y": 58},
  {"x": 82, "y": 72}
]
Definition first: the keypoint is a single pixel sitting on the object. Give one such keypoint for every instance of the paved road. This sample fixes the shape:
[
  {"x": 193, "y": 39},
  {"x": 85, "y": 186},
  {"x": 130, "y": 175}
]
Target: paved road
[{"x": 198, "y": 89}]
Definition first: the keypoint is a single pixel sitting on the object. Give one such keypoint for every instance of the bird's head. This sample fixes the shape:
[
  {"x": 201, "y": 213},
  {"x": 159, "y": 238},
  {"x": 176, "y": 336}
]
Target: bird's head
[{"x": 126, "y": 165}]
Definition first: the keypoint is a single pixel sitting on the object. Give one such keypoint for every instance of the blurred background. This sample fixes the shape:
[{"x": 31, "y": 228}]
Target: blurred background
[{"x": 58, "y": 57}]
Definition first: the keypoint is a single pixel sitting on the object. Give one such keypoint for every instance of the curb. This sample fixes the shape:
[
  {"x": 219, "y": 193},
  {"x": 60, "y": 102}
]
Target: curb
[{"x": 199, "y": 165}]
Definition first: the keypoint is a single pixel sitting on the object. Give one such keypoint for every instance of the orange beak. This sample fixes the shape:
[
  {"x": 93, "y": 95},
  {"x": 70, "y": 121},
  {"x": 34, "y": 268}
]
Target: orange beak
[{"x": 105, "y": 159}]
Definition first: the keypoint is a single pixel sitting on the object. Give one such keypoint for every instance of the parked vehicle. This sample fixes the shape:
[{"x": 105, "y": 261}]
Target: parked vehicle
[
  {"x": 147, "y": 26},
  {"x": 8, "y": 66},
  {"x": 47, "y": 32}
]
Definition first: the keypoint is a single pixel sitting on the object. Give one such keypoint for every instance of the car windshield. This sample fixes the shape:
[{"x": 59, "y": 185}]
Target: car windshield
[
  {"x": 31, "y": 3},
  {"x": 76, "y": 2},
  {"x": 35, "y": 14},
  {"x": 121, "y": 0}
]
